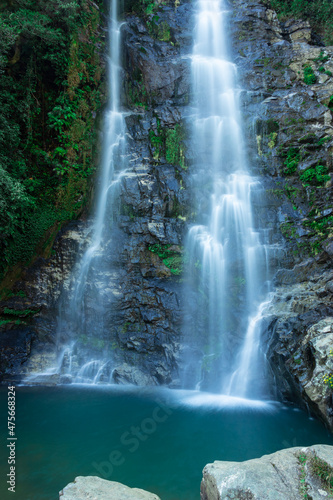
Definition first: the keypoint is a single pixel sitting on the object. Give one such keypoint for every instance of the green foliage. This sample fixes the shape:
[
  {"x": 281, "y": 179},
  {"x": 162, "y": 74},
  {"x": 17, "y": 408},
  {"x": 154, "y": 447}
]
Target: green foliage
[
  {"x": 316, "y": 176},
  {"x": 321, "y": 58},
  {"x": 15, "y": 312},
  {"x": 49, "y": 89},
  {"x": 302, "y": 458},
  {"x": 15, "y": 316},
  {"x": 272, "y": 140},
  {"x": 319, "y": 13},
  {"x": 293, "y": 157},
  {"x": 159, "y": 30},
  {"x": 323, "y": 140},
  {"x": 147, "y": 8},
  {"x": 328, "y": 377},
  {"x": 171, "y": 257},
  {"x": 309, "y": 76}
]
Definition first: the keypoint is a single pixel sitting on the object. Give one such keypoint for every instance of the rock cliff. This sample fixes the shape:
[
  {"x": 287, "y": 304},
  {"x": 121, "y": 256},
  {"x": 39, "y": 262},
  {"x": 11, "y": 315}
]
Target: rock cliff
[{"x": 286, "y": 88}]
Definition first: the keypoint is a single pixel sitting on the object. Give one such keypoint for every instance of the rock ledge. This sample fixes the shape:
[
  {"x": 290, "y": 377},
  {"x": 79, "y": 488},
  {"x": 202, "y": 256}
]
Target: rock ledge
[
  {"x": 290, "y": 474},
  {"x": 95, "y": 488}
]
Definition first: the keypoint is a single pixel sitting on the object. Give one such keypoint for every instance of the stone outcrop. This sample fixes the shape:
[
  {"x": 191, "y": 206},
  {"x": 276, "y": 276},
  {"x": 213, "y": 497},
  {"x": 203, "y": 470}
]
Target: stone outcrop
[
  {"x": 91, "y": 487},
  {"x": 28, "y": 315},
  {"x": 291, "y": 474},
  {"x": 300, "y": 341}
]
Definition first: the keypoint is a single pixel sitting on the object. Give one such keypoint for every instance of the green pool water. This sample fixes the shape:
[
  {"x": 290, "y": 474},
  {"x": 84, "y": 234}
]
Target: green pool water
[{"x": 158, "y": 440}]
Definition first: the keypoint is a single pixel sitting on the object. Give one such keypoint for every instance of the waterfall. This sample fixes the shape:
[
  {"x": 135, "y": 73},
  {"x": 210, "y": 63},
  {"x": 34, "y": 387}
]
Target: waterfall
[
  {"x": 227, "y": 261},
  {"x": 112, "y": 160},
  {"x": 89, "y": 361}
]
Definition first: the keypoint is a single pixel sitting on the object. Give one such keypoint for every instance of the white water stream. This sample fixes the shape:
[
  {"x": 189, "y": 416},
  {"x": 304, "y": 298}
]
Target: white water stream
[
  {"x": 226, "y": 247},
  {"x": 112, "y": 169},
  {"x": 81, "y": 357}
]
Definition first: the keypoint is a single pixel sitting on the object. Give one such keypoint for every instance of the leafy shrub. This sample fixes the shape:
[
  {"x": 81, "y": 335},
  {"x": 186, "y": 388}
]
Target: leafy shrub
[
  {"x": 49, "y": 89},
  {"x": 309, "y": 76},
  {"x": 317, "y": 175},
  {"x": 293, "y": 158}
]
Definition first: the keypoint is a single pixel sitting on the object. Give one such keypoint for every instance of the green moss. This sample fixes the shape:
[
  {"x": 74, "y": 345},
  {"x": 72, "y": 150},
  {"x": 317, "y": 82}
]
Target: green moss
[
  {"x": 322, "y": 58},
  {"x": 169, "y": 141},
  {"x": 136, "y": 91},
  {"x": 174, "y": 145},
  {"x": 160, "y": 31}
]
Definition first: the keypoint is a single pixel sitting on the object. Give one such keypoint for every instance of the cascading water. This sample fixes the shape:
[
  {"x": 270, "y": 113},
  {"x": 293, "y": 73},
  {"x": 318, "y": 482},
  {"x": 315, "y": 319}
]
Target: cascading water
[
  {"x": 227, "y": 261},
  {"x": 83, "y": 354},
  {"x": 92, "y": 367},
  {"x": 112, "y": 168}
]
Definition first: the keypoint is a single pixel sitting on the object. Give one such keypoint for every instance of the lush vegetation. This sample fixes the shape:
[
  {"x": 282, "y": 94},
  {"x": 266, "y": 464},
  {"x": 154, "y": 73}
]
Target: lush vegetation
[
  {"x": 50, "y": 90},
  {"x": 319, "y": 12}
]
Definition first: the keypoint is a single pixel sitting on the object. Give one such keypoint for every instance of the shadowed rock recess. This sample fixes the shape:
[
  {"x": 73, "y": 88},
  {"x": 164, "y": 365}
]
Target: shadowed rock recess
[{"x": 286, "y": 99}]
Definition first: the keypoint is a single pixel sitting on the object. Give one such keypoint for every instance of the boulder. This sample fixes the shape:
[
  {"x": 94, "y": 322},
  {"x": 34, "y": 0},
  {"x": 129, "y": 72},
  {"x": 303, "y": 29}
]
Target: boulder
[
  {"x": 95, "y": 488},
  {"x": 290, "y": 474}
]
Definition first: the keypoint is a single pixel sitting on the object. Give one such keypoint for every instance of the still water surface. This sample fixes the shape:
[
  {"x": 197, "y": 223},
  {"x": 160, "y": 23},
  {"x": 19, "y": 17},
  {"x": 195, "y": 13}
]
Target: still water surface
[{"x": 157, "y": 440}]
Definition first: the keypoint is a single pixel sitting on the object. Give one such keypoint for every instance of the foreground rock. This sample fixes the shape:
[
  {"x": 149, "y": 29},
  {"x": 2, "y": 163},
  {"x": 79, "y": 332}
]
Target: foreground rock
[
  {"x": 95, "y": 488},
  {"x": 294, "y": 473}
]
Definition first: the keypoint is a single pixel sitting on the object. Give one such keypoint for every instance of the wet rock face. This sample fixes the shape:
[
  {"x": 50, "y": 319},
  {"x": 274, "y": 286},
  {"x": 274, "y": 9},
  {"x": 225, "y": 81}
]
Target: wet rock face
[
  {"x": 139, "y": 292},
  {"x": 300, "y": 343},
  {"x": 287, "y": 110},
  {"x": 28, "y": 315}
]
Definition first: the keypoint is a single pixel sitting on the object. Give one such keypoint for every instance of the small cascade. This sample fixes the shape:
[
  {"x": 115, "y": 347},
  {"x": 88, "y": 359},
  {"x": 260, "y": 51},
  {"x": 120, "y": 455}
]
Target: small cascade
[
  {"x": 227, "y": 258},
  {"x": 244, "y": 379}
]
